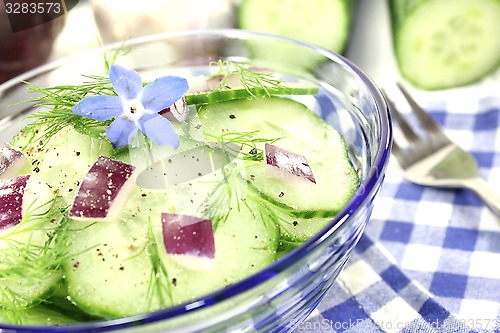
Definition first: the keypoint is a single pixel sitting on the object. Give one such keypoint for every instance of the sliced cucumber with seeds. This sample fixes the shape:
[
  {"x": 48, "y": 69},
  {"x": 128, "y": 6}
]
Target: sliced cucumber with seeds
[
  {"x": 301, "y": 131},
  {"x": 29, "y": 257},
  {"x": 446, "y": 43},
  {"x": 63, "y": 169},
  {"x": 109, "y": 274},
  {"x": 120, "y": 268},
  {"x": 246, "y": 242}
]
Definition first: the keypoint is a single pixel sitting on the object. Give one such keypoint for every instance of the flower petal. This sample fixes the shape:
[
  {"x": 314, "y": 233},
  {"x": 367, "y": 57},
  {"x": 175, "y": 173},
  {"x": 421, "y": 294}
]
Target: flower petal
[
  {"x": 127, "y": 83},
  {"x": 121, "y": 132},
  {"x": 163, "y": 92},
  {"x": 99, "y": 107},
  {"x": 159, "y": 130}
]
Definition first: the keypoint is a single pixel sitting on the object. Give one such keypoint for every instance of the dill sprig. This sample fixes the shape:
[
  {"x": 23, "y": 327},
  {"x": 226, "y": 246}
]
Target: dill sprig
[
  {"x": 159, "y": 282},
  {"x": 66, "y": 96},
  {"x": 232, "y": 189},
  {"x": 110, "y": 57},
  {"x": 226, "y": 196},
  {"x": 244, "y": 143},
  {"x": 27, "y": 260},
  {"x": 31, "y": 220},
  {"x": 14, "y": 276},
  {"x": 249, "y": 79},
  {"x": 286, "y": 245},
  {"x": 59, "y": 100}
]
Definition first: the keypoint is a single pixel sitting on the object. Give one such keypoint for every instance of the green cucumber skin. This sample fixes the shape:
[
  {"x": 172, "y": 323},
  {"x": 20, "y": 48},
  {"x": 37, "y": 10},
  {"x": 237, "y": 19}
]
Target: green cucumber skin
[
  {"x": 240, "y": 93},
  {"x": 401, "y": 11},
  {"x": 298, "y": 229},
  {"x": 294, "y": 213},
  {"x": 338, "y": 43}
]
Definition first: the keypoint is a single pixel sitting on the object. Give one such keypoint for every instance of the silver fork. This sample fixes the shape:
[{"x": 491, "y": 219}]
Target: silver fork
[{"x": 434, "y": 160}]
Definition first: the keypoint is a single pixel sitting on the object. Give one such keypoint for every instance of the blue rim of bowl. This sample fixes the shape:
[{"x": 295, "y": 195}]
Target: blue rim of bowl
[{"x": 366, "y": 191}]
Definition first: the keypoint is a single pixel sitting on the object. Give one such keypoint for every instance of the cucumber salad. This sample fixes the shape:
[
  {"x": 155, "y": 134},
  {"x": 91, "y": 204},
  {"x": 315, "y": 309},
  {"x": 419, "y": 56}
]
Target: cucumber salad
[{"x": 122, "y": 197}]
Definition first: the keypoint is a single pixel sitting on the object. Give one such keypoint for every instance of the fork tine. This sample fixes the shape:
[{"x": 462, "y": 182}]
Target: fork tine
[
  {"x": 425, "y": 119},
  {"x": 403, "y": 124}
]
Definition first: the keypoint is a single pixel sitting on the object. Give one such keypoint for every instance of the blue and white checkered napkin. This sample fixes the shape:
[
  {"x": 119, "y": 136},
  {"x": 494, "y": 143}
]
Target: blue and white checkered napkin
[{"x": 429, "y": 260}]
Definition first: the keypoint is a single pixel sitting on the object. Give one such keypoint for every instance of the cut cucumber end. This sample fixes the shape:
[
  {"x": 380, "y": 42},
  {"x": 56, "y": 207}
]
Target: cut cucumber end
[
  {"x": 321, "y": 22},
  {"x": 325, "y": 23},
  {"x": 442, "y": 43}
]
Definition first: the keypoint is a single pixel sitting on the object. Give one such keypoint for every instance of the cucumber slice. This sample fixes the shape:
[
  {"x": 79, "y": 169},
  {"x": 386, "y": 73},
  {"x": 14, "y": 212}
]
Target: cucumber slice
[
  {"x": 63, "y": 169},
  {"x": 116, "y": 273},
  {"x": 298, "y": 230},
  {"x": 446, "y": 43},
  {"x": 246, "y": 242},
  {"x": 29, "y": 258},
  {"x": 300, "y": 131},
  {"x": 21, "y": 290},
  {"x": 322, "y": 22},
  {"x": 61, "y": 302},
  {"x": 38, "y": 315},
  {"x": 109, "y": 275},
  {"x": 288, "y": 88}
]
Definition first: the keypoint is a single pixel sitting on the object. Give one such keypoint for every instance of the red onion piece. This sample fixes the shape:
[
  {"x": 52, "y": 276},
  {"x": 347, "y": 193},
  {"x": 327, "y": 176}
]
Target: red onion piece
[
  {"x": 177, "y": 111},
  {"x": 189, "y": 240},
  {"x": 11, "y": 201},
  {"x": 284, "y": 163},
  {"x": 22, "y": 194},
  {"x": 104, "y": 190},
  {"x": 11, "y": 161}
]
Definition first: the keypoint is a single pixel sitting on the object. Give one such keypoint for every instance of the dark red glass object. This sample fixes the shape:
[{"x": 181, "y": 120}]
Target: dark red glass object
[{"x": 28, "y": 29}]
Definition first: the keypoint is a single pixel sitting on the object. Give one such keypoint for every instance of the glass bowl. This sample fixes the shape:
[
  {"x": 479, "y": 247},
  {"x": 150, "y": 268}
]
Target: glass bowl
[{"x": 280, "y": 297}]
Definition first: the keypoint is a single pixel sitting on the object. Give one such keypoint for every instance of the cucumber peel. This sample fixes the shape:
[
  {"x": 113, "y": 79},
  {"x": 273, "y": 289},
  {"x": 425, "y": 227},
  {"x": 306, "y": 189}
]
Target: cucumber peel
[{"x": 287, "y": 88}]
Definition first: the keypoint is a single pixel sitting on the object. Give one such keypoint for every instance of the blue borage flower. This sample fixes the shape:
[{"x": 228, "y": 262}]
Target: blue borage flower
[{"x": 136, "y": 107}]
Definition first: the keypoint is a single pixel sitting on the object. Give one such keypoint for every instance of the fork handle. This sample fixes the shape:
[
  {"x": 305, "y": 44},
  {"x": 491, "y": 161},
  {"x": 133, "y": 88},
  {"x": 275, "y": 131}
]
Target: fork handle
[{"x": 486, "y": 192}]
